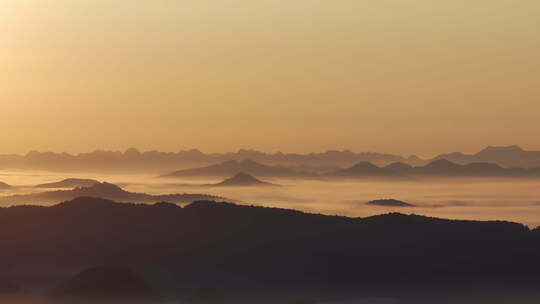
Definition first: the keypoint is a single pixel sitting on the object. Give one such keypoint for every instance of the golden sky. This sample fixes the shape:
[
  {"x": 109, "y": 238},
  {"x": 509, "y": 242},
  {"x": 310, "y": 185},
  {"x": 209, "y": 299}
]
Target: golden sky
[{"x": 400, "y": 76}]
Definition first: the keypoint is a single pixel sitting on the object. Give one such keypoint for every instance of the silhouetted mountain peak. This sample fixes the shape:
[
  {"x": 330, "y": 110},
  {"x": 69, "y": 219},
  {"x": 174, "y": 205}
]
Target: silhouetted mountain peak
[
  {"x": 242, "y": 179},
  {"x": 500, "y": 150},
  {"x": 69, "y": 183},
  {"x": 442, "y": 164},
  {"x": 389, "y": 203},
  {"x": 362, "y": 169},
  {"x": 132, "y": 152}
]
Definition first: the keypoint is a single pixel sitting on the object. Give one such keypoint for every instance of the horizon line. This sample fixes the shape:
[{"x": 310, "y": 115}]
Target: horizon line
[{"x": 137, "y": 150}]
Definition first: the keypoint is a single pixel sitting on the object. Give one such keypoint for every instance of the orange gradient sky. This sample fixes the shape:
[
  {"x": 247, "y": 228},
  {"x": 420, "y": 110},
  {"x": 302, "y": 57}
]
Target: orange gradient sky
[{"x": 415, "y": 76}]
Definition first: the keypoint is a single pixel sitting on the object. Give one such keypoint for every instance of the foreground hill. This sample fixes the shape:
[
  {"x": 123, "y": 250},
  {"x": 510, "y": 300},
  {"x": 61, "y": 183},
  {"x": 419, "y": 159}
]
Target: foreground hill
[
  {"x": 105, "y": 190},
  {"x": 234, "y": 167},
  {"x": 436, "y": 168},
  {"x": 243, "y": 250},
  {"x": 70, "y": 183}
]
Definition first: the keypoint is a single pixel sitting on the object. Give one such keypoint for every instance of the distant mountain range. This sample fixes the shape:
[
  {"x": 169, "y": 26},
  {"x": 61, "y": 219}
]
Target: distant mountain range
[
  {"x": 134, "y": 160},
  {"x": 510, "y": 156},
  {"x": 265, "y": 253},
  {"x": 398, "y": 170},
  {"x": 104, "y": 190},
  {"x": 434, "y": 169},
  {"x": 4, "y": 186}
]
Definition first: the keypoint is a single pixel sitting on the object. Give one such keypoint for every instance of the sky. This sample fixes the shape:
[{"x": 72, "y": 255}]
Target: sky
[{"x": 408, "y": 77}]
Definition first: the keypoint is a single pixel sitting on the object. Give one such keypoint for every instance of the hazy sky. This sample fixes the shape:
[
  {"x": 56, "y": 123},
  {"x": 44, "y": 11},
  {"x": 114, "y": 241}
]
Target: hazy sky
[{"x": 401, "y": 76}]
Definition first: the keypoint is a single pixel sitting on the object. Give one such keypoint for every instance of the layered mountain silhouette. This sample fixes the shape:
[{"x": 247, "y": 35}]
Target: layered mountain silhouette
[
  {"x": 104, "y": 190},
  {"x": 242, "y": 180},
  {"x": 69, "y": 183},
  {"x": 506, "y": 156},
  {"x": 134, "y": 160},
  {"x": 244, "y": 249},
  {"x": 234, "y": 167},
  {"x": 106, "y": 283},
  {"x": 436, "y": 168},
  {"x": 389, "y": 203}
]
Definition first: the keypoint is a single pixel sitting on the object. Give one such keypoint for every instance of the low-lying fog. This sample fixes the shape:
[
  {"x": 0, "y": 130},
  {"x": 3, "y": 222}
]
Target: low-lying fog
[{"x": 515, "y": 200}]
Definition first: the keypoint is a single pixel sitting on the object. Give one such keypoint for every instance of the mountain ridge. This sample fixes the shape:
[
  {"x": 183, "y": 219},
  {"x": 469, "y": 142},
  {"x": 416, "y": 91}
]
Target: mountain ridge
[
  {"x": 277, "y": 249},
  {"x": 436, "y": 168},
  {"x": 506, "y": 156},
  {"x": 69, "y": 183},
  {"x": 104, "y": 190},
  {"x": 134, "y": 160}
]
